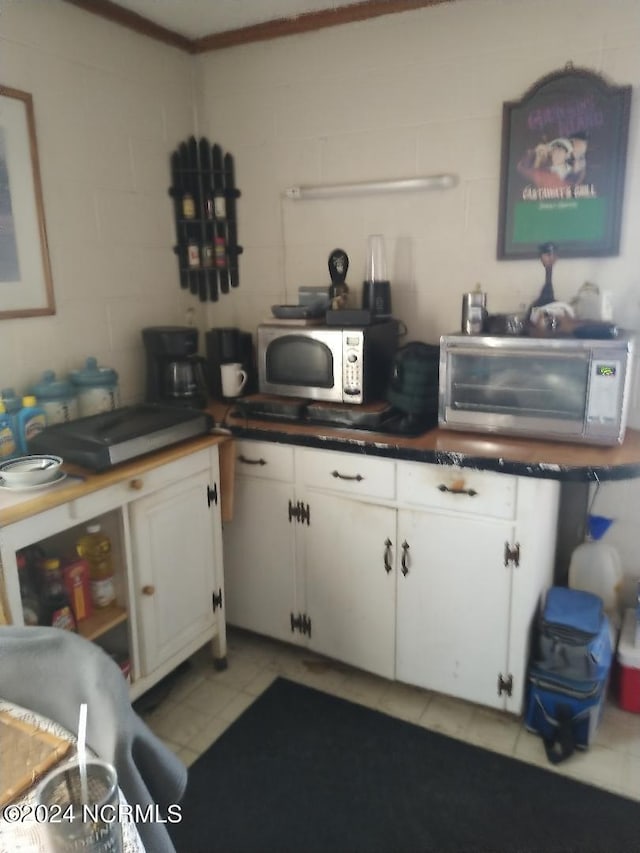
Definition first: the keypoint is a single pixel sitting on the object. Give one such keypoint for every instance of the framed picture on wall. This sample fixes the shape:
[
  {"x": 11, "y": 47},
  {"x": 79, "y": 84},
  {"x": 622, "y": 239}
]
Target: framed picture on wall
[
  {"x": 26, "y": 287},
  {"x": 564, "y": 148}
]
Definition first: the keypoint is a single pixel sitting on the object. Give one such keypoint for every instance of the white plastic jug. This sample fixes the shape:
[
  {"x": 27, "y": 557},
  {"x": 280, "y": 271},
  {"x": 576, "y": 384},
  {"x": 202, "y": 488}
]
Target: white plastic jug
[{"x": 595, "y": 567}]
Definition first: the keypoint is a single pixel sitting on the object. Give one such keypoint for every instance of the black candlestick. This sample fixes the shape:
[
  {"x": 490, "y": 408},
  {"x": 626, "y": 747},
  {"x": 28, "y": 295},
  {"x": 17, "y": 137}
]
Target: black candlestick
[{"x": 548, "y": 258}]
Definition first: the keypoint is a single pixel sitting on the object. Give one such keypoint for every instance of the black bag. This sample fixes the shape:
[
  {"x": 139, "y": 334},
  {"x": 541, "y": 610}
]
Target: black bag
[{"x": 414, "y": 381}]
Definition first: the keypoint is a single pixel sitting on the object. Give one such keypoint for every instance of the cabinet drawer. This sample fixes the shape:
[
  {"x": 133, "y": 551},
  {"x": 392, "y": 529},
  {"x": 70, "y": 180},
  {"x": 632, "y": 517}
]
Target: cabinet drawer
[
  {"x": 138, "y": 485},
  {"x": 264, "y": 459},
  {"x": 459, "y": 489},
  {"x": 350, "y": 473}
]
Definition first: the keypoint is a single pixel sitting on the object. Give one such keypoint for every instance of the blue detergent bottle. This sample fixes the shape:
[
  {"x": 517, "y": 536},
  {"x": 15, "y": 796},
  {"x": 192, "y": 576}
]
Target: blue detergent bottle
[
  {"x": 31, "y": 420},
  {"x": 8, "y": 444}
]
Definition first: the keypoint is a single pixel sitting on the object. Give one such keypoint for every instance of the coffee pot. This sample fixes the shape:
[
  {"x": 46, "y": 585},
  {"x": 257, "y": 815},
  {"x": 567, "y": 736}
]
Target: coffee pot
[
  {"x": 175, "y": 372},
  {"x": 184, "y": 378}
]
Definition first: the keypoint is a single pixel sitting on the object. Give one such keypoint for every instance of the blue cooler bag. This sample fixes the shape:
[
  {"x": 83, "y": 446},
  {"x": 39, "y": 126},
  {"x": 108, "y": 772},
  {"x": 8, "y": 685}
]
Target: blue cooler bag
[{"x": 569, "y": 673}]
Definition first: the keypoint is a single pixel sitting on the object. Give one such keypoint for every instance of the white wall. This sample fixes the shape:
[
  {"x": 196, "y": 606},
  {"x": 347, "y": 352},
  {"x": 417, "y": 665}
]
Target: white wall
[
  {"x": 109, "y": 107},
  {"x": 412, "y": 94},
  {"x": 408, "y": 94}
]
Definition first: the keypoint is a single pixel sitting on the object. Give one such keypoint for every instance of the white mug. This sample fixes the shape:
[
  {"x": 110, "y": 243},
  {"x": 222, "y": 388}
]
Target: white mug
[{"x": 234, "y": 378}]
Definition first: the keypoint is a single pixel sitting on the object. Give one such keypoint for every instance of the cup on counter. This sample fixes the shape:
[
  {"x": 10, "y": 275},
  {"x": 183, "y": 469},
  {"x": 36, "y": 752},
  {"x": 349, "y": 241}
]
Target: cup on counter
[
  {"x": 474, "y": 312},
  {"x": 233, "y": 377},
  {"x": 89, "y": 823}
]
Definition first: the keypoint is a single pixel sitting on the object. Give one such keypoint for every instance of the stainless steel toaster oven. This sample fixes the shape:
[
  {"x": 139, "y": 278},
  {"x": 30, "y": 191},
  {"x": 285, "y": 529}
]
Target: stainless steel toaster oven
[{"x": 568, "y": 389}]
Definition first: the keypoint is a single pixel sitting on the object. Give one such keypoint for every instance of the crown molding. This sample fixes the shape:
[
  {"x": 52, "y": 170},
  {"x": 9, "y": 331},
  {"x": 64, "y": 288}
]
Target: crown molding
[{"x": 278, "y": 28}]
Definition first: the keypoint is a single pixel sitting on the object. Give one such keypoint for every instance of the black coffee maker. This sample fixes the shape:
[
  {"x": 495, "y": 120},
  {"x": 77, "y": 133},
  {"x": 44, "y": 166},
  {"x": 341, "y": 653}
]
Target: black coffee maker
[
  {"x": 175, "y": 374},
  {"x": 228, "y": 345}
]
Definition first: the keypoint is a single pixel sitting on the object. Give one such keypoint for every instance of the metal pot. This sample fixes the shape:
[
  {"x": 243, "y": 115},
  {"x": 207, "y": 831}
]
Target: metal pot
[{"x": 507, "y": 324}]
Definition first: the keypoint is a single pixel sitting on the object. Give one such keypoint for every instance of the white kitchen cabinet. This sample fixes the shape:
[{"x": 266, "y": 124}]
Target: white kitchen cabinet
[
  {"x": 344, "y": 566},
  {"x": 453, "y": 604},
  {"x": 174, "y": 567},
  {"x": 349, "y": 593},
  {"x": 259, "y": 543},
  {"x": 475, "y": 552},
  {"x": 300, "y": 562},
  {"x": 429, "y": 574},
  {"x": 165, "y": 528}
]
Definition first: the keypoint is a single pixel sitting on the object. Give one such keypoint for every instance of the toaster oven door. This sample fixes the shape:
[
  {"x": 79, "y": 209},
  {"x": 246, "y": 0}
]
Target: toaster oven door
[{"x": 532, "y": 391}]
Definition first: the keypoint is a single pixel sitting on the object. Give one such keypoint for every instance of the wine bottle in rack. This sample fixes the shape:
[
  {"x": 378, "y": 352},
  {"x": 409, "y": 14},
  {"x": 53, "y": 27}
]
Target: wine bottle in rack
[
  {"x": 208, "y": 229},
  {"x": 186, "y": 224},
  {"x": 220, "y": 241},
  {"x": 176, "y": 192},
  {"x": 204, "y": 196},
  {"x": 195, "y": 233},
  {"x": 231, "y": 194},
  {"x": 187, "y": 200}
]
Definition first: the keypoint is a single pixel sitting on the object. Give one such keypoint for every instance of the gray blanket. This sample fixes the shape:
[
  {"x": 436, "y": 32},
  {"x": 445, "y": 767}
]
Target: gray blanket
[{"x": 52, "y": 672}]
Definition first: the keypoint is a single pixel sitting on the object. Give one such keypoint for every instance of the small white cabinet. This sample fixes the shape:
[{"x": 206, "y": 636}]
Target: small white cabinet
[
  {"x": 476, "y": 552},
  {"x": 430, "y": 574},
  {"x": 259, "y": 542},
  {"x": 349, "y": 596},
  {"x": 165, "y": 527},
  {"x": 173, "y": 546},
  {"x": 453, "y": 604}
]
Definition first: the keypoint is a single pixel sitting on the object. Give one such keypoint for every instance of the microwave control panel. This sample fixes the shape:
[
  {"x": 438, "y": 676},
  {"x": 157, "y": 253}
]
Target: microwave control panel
[
  {"x": 352, "y": 361},
  {"x": 604, "y": 390}
]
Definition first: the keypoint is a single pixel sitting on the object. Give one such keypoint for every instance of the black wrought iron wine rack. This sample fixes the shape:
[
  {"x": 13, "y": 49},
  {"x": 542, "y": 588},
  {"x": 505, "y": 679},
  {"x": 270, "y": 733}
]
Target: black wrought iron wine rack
[{"x": 204, "y": 202}]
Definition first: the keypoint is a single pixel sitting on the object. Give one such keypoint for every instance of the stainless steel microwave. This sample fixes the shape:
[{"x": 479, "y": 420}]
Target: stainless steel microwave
[
  {"x": 341, "y": 365},
  {"x": 567, "y": 389}
]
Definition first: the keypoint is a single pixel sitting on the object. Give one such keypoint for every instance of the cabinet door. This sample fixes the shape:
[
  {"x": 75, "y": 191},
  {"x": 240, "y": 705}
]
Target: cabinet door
[
  {"x": 453, "y": 604},
  {"x": 350, "y": 595},
  {"x": 173, "y": 543},
  {"x": 259, "y": 558}
]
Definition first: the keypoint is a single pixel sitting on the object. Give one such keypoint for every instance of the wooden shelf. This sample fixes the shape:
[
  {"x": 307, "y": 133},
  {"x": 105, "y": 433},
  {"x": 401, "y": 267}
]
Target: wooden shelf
[{"x": 102, "y": 620}]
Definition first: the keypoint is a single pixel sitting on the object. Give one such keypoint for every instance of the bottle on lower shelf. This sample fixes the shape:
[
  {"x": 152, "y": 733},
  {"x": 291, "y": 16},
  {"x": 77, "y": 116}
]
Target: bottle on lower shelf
[
  {"x": 56, "y": 608},
  {"x": 95, "y": 548}
]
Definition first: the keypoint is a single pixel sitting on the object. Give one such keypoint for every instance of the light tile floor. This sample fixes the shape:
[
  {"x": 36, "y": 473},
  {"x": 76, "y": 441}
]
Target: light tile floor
[{"x": 202, "y": 703}]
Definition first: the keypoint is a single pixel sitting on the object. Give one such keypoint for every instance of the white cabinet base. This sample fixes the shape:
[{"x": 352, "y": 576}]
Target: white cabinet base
[
  {"x": 165, "y": 528},
  {"x": 430, "y": 574}
]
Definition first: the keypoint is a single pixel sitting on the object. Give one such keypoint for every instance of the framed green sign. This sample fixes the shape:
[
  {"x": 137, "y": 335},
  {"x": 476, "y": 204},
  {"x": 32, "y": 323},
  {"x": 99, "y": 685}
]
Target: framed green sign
[{"x": 564, "y": 148}]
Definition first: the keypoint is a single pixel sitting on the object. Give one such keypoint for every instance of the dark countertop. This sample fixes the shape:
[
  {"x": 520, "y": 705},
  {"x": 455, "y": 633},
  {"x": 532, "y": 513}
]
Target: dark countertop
[{"x": 521, "y": 456}]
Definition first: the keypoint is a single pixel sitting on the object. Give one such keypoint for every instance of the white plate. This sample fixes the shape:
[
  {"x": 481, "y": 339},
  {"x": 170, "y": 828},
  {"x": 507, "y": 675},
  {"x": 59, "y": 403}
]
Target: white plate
[{"x": 62, "y": 476}]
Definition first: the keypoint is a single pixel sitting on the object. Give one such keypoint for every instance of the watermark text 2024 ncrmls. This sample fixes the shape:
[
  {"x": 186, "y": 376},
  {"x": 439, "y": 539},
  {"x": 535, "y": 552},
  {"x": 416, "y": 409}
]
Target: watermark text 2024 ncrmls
[{"x": 128, "y": 813}]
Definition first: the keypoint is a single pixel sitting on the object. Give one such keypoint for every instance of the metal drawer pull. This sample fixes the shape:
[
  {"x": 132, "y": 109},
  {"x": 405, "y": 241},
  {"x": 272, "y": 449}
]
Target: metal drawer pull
[
  {"x": 148, "y": 590},
  {"x": 471, "y": 492},
  {"x": 136, "y": 484},
  {"x": 246, "y": 461},
  {"x": 405, "y": 558},
  {"x": 387, "y": 555},
  {"x": 339, "y": 476}
]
